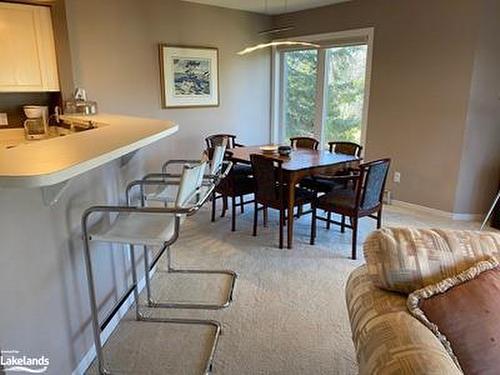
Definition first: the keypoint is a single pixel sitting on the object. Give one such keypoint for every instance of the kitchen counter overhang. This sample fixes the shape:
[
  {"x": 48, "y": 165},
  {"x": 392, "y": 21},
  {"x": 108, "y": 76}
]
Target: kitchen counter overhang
[{"x": 53, "y": 161}]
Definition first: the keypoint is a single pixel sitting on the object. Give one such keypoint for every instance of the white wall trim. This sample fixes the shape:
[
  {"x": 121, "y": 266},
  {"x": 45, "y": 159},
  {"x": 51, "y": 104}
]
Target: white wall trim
[
  {"x": 276, "y": 99},
  {"x": 434, "y": 211},
  {"x": 90, "y": 356},
  {"x": 344, "y": 34},
  {"x": 276, "y": 93},
  {"x": 467, "y": 217}
]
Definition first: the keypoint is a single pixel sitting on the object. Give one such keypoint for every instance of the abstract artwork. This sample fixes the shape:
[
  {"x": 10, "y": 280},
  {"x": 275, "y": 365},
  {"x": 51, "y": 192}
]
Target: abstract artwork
[{"x": 189, "y": 76}]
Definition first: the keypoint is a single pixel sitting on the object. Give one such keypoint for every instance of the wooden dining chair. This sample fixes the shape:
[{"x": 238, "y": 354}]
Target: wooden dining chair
[
  {"x": 304, "y": 142},
  {"x": 218, "y": 139},
  {"x": 237, "y": 184},
  {"x": 346, "y": 148},
  {"x": 325, "y": 183},
  {"x": 366, "y": 199},
  {"x": 269, "y": 192}
]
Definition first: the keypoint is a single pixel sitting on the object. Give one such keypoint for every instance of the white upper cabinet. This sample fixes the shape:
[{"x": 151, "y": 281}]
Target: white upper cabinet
[{"x": 27, "y": 49}]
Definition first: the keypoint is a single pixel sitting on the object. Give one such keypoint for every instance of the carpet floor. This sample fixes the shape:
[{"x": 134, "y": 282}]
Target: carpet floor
[{"x": 288, "y": 316}]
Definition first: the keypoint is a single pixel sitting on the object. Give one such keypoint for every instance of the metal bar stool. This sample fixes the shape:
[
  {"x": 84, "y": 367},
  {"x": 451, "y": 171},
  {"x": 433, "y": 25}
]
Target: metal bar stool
[
  {"x": 218, "y": 171},
  {"x": 147, "y": 226},
  {"x": 166, "y": 193}
]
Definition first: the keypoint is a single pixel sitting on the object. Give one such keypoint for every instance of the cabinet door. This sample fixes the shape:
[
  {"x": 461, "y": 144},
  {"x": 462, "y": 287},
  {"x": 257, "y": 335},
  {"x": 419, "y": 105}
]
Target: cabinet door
[{"x": 27, "y": 49}]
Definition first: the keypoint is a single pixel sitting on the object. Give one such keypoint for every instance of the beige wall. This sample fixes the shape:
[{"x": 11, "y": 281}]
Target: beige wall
[
  {"x": 114, "y": 56},
  {"x": 114, "y": 45},
  {"x": 421, "y": 74},
  {"x": 480, "y": 166}
]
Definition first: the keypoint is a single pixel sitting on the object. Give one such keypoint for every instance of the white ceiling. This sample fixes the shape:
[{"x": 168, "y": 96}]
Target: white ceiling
[{"x": 272, "y": 7}]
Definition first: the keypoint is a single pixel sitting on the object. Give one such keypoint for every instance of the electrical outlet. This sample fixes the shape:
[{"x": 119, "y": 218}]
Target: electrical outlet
[
  {"x": 397, "y": 177},
  {"x": 4, "y": 121}
]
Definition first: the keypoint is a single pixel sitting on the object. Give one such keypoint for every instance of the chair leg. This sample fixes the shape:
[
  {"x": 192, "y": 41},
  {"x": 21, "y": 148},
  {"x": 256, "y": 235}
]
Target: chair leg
[
  {"x": 233, "y": 214},
  {"x": 93, "y": 306},
  {"x": 242, "y": 206},
  {"x": 342, "y": 225},
  {"x": 313, "y": 226},
  {"x": 214, "y": 206},
  {"x": 138, "y": 315},
  {"x": 149, "y": 298},
  {"x": 328, "y": 218},
  {"x": 255, "y": 218},
  {"x": 379, "y": 218},
  {"x": 224, "y": 206},
  {"x": 282, "y": 224},
  {"x": 354, "y": 221},
  {"x": 265, "y": 216}
]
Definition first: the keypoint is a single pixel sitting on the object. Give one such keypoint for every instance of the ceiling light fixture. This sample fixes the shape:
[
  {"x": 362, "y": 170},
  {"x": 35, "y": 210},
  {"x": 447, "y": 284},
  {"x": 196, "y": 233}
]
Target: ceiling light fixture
[
  {"x": 277, "y": 44},
  {"x": 277, "y": 30}
]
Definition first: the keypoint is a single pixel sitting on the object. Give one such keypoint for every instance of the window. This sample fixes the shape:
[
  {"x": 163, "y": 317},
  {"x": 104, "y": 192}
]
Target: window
[
  {"x": 345, "y": 92},
  {"x": 323, "y": 92}
]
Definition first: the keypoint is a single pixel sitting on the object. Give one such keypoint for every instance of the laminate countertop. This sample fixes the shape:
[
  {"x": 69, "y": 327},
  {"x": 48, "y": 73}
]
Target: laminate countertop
[{"x": 51, "y": 161}]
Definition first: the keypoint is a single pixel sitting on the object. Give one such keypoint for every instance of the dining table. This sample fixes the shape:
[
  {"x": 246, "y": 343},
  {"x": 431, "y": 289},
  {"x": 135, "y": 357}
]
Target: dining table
[{"x": 300, "y": 163}]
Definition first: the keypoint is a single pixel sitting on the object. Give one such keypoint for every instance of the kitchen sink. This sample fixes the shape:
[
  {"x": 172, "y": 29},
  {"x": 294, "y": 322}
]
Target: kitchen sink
[{"x": 10, "y": 138}]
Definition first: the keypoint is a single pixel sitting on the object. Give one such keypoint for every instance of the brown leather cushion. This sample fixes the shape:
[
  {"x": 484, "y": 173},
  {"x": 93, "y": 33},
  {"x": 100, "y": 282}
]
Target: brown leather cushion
[{"x": 466, "y": 313}]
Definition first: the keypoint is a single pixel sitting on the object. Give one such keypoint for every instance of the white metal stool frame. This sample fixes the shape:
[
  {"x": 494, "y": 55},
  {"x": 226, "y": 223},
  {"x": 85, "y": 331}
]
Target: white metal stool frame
[
  {"x": 147, "y": 180},
  {"x": 216, "y": 174},
  {"x": 97, "y": 328}
]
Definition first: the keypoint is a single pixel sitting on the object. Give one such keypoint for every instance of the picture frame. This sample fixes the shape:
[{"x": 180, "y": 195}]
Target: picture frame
[{"x": 189, "y": 76}]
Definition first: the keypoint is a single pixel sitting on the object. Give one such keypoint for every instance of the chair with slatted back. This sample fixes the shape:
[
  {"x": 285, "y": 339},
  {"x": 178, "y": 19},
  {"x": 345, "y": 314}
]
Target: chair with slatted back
[
  {"x": 304, "y": 142},
  {"x": 268, "y": 174},
  {"x": 238, "y": 184},
  {"x": 229, "y": 140},
  {"x": 366, "y": 199},
  {"x": 346, "y": 148},
  {"x": 218, "y": 139}
]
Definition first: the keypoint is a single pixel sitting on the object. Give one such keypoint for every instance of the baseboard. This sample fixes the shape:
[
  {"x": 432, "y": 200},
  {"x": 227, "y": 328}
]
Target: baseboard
[
  {"x": 468, "y": 217},
  {"x": 434, "y": 211},
  {"x": 90, "y": 356}
]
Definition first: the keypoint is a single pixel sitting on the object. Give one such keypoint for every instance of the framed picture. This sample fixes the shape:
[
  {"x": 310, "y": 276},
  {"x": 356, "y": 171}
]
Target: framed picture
[{"x": 189, "y": 76}]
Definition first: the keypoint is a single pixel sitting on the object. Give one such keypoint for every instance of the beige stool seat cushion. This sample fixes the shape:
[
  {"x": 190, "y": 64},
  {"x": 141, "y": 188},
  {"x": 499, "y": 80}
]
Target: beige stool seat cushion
[
  {"x": 168, "y": 195},
  {"x": 164, "y": 193},
  {"x": 137, "y": 229}
]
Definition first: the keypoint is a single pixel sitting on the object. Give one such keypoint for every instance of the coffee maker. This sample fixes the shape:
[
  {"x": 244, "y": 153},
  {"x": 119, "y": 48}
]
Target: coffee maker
[{"x": 37, "y": 124}]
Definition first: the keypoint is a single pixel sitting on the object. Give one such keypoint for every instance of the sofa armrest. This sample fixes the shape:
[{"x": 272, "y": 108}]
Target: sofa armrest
[{"x": 388, "y": 340}]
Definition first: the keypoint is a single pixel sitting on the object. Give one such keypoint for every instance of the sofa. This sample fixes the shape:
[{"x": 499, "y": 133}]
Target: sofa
[{"x": 387, "y": 338}]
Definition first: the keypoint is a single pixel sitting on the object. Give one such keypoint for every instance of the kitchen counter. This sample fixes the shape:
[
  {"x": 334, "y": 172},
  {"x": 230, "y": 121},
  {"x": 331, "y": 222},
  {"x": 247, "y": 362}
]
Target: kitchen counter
[
  {"x": 52, "y": 161},
  {"x": 41, "y": 238}
]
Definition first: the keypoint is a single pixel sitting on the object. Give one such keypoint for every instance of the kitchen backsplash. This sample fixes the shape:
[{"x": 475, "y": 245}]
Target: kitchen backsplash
[{"x": 12, "y": 104}]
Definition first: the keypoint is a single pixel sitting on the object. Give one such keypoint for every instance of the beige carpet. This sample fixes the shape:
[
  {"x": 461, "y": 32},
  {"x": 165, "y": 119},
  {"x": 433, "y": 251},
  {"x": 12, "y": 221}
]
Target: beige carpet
[{"x": 289, "y": 314}]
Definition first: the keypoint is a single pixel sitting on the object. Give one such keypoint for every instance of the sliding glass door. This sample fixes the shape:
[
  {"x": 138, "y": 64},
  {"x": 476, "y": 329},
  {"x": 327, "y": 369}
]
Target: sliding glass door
[{"x": 322, "y": 93}]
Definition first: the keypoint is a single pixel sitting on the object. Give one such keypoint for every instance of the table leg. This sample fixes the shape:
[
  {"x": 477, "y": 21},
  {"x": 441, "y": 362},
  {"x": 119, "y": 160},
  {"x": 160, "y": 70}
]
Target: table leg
[{"x": 291, "y": 204}]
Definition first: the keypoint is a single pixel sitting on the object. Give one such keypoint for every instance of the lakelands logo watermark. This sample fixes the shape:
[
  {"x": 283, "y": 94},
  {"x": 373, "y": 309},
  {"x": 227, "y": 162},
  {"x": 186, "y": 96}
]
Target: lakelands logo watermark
[{"x": 12, "y": 360}]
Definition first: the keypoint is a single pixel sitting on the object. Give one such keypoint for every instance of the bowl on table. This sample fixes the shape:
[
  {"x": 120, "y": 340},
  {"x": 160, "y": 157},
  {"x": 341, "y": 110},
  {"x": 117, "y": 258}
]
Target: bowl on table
[
  {"x": 284, "y": 150},
  {"x": 269, "y": 149}
]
